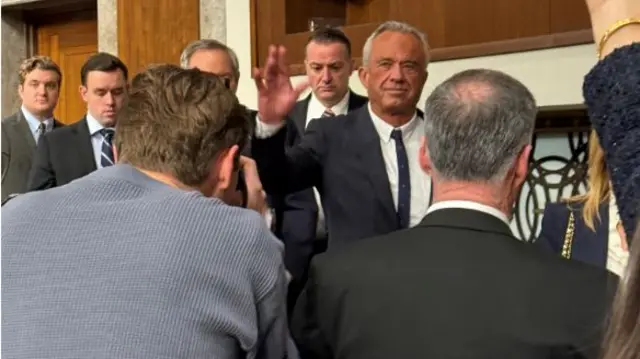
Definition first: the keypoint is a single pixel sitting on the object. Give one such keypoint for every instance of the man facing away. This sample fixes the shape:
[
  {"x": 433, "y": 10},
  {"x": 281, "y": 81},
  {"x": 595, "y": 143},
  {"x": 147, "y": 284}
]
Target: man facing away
[
  {"x": 81, "y": 148},
  {"x": 144, "y": 259},
  {"x": 459, "y": 284},
  {"x": 39, "y": 89}
]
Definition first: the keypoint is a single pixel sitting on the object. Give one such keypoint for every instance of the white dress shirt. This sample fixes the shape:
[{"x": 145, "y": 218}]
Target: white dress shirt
[
  {"x": 96, "y": 138},
  {"x": 34, "y": 123},
  {"x": 470, "y": 205},
  {"x": 411, "y": 134},
  {"x": 617, "y": 256}
]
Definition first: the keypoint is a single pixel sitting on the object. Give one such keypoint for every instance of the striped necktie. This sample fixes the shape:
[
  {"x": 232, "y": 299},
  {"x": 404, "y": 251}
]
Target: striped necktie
[
  {"x": 328, "y": 113},
  {"x": 106, "y": 158}
]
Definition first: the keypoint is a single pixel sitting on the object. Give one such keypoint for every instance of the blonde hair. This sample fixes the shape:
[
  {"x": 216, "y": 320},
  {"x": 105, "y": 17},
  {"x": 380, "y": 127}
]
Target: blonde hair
[
  {"x": 38, "y": 62},
  {"x": 599, "y": 189}
]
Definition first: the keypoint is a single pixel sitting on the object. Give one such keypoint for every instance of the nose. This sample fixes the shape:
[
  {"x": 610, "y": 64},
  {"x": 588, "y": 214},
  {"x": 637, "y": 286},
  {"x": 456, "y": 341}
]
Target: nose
[
  {"x": 326, "y": 76},
  {"x": 395, "y": 73},
  {"x": 41, "y": 89},
  {"x": 109, "y": 99}
]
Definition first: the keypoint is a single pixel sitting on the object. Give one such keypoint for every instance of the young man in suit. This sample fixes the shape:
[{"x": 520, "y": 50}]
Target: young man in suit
[
  {"x": 81, "y": 148},
  {"x": 362, "y": 163},
  {"x": 328, "y": 66},
  {"x": 459, "y": 284},
  {"x": 39, "y": 89}
]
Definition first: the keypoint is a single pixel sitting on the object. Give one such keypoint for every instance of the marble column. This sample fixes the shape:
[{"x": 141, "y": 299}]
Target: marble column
[
  {"x": 14, "y": 50},
  {"x": 108, "y": 26},
  {"x": 213, "y": 20}
]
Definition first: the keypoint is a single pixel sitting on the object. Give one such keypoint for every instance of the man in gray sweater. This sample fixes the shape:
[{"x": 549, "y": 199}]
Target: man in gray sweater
[{"x": 144, "y": 259}]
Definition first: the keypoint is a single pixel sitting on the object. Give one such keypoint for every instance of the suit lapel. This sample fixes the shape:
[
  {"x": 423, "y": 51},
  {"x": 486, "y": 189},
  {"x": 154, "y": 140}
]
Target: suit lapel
[
  {"x": 82, "y": 143},
  {"x": 369, "y": 156},
  {"x": 299, "y": 114},
  {"x": 22, "y": 127}
]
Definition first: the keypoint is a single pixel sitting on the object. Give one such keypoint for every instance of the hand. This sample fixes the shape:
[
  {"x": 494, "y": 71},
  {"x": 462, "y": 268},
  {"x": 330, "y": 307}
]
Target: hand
[
  {"x": 276, "y": 95},
  {"x": 256, "y": 197}
]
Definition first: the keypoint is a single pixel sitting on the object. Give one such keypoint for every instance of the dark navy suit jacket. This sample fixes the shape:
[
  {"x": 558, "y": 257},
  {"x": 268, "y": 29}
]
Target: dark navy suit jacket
[
  {"x": 587, "y": 246},
  {"x": 299, "y": 219},
  {"x": 343, "y": 159}
]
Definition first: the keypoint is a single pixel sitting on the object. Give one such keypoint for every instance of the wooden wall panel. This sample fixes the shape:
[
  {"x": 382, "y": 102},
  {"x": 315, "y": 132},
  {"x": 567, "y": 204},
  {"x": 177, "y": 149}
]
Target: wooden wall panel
[
  {"x": 155, "y": 31},
  {"x": 456, "y": 28}
]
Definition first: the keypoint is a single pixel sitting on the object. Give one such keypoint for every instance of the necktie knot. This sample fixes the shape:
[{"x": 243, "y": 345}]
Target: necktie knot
[
  {"x": 396, "y": 135},
  {"x": 106, "y": 157},
  {"x": 107, "y": 134},
  {"x": 328, "y": 113}
]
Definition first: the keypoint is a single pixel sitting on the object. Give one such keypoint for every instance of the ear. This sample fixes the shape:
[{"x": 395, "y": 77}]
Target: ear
[
  {"x": 363, "y": 74},
  {"x": 225, "y": 169},
  {"x": 83, "y": 92},
  {"x": 423, "y": 156},
  {"x": 521, "y": 167},
  {"x": 21, "y": 91}
]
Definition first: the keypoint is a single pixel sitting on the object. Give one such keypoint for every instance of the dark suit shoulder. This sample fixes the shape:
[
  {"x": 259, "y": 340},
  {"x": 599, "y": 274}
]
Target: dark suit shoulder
[
  {"x": 64, "y": 131},
  {"x": 11, "y": 118}
]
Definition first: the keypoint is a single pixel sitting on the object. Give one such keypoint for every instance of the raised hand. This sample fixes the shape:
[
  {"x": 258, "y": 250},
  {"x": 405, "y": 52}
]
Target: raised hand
[{"x": 276, "y": 95}]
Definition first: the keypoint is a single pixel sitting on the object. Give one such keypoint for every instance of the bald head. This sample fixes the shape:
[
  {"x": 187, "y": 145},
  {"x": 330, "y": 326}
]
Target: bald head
[{"x": 477, "y": 122}]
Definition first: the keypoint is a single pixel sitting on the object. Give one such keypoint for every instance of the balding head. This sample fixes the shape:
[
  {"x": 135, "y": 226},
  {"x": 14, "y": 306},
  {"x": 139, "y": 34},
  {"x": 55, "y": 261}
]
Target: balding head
[{"x": 477, "y": 123}]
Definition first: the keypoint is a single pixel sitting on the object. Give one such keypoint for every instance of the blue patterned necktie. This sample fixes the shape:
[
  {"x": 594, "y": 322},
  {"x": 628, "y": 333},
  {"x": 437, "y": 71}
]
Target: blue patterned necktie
[
  {"x": 106, "y": 158},
  {"x": 404, "y": 182},
  {"x": 328, "y": 113}
]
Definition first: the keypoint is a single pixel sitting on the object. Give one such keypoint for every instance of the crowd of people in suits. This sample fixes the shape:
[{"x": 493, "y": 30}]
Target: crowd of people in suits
[{"x": 171, "y": 221}]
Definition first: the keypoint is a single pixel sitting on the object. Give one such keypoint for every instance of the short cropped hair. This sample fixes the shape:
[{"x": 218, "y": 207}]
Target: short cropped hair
[
  {"x": 178, "y": 121},
  {"x": 210, "y": 44},
  {"x": 38, "y": 62},
  {"x": 394, "y": 26},
  {"x": 476, "y": 123},
  {"x": 103, "y": 62},
  {"x": 330, "y": 35}
]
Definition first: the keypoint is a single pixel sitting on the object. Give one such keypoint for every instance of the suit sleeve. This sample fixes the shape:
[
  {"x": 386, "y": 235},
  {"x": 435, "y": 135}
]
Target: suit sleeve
[
  {"x": 611, "y": 94},
  {"x": 554, "y": 226},
  {"x": 6, "y": 153},
  {"x": 306, "y": 327},
  {"x": 42, "y": 175},
  {"x": 283, "y": 171}
]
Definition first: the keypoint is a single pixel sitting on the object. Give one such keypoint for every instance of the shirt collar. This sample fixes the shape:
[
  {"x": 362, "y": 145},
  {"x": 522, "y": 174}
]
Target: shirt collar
[
  {"x": 384, "y": 129},
  {"x": 316, "y": 108},
  {"x": 93, "y": 124},
  {"x": 34, "y": 123},
  {"x": 469, "y": 205}
]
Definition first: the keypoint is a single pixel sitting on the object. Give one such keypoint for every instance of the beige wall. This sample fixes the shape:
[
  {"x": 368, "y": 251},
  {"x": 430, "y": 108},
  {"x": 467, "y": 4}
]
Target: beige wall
[{"x": 14, "y": 50}]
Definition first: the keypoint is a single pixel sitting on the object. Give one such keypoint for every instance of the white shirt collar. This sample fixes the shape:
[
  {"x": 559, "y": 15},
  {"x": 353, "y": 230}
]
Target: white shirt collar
[
  {"x": 316, "y": 108},
  {"x": 469, "y": 205},
  {"x": 34, "y": 123},
  {"x": 384, "y": 129},
  {"x": 93, "y": 124}
]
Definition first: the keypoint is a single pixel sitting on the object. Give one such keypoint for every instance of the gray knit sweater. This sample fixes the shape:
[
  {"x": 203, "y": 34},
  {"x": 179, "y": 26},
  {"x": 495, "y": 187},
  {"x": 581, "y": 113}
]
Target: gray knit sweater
[{"x": 118, "y": 265}]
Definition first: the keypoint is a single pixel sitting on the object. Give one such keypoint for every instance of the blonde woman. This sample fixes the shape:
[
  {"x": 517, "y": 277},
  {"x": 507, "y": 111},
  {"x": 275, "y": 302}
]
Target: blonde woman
[{"x": 586, "y": 227}]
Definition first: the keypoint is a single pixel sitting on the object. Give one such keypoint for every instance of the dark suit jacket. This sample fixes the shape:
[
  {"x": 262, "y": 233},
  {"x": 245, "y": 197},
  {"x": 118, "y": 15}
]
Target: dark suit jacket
[
  {"x": 343, "y": 159},
  {"x": 300, "y": 215},
  {"x": 62, "y": 156},
  {"x": 459, "y": 285},
  {"x": 611, "y": 93},
  {"x": 18, "y": 148},
  {"x": 587, "y": 246}
]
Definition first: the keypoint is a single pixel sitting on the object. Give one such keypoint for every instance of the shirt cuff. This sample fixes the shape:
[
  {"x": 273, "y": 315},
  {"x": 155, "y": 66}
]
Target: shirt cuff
[{"x": 265, "y": 130}]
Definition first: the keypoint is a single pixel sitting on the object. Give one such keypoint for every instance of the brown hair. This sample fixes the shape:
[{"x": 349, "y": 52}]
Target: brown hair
[
  {"x": 38, "y": 62},
  {"x": 598, "y": 183},
  {"x": 178, "y": 121},
  {"x": 623, "y": 336},
  {"x": 103, "y": 62}
]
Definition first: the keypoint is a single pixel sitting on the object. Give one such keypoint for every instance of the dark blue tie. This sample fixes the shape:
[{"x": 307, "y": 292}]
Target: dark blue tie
[
  {"x": 106, "y": 158},
  {"x": 404, "y": 183}
]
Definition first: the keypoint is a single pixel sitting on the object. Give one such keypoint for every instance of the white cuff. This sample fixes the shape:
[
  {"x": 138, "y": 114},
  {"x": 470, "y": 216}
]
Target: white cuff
[{"x": 266, "y": 130}]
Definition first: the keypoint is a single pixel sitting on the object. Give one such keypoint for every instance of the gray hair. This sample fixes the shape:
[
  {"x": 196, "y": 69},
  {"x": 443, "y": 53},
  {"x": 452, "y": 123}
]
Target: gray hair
[
  {"x": 209, "y": 44},
  {"x": 476, "y": 124},
  {"x": 394, "y": 26}
]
